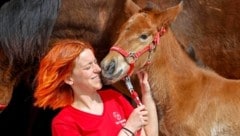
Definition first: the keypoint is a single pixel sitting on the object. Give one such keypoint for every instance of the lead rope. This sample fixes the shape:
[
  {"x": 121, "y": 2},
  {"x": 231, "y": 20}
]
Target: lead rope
[{"x": 133, "y": 93}]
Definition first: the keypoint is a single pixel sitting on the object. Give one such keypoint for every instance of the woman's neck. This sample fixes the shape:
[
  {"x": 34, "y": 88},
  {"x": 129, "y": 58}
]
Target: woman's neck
[{"x": 91, "y": 103}]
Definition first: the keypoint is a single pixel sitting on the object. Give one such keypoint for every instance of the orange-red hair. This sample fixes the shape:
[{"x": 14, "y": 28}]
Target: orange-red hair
[{"x": 51, "y": 90}]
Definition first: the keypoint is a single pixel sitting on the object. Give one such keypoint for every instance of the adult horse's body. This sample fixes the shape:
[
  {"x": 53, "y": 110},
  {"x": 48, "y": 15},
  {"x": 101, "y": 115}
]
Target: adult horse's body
[
  {"x": 212, "y": 28},
  {"x": 191, "y": 101}
]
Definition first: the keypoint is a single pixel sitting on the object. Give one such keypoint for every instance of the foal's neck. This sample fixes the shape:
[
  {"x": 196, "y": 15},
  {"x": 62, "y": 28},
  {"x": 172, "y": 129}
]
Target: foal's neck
[
  {"x": 172, "y": 67},
  {"x": 172, "y": 57},
  {"x": 172, "y": 71}
]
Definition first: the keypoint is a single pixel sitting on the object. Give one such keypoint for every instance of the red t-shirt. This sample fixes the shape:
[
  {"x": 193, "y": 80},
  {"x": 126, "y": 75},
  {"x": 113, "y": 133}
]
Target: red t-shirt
[{"x": 73, "y": 122}]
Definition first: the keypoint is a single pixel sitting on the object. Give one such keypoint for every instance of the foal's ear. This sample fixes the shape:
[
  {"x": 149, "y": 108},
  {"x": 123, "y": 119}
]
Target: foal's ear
[
  {"x": 165, "y": 18},
  {"x": 131, "y": 8}
]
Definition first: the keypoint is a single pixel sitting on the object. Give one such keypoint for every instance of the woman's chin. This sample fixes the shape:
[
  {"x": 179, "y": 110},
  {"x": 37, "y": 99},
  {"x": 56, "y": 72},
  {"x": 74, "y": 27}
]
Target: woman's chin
[{"x": 98, "y": 86}]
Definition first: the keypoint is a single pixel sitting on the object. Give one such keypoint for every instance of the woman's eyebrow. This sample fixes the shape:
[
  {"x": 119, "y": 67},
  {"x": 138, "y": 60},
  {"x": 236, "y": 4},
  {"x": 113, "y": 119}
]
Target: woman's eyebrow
[{"x": 89, "y": 63}]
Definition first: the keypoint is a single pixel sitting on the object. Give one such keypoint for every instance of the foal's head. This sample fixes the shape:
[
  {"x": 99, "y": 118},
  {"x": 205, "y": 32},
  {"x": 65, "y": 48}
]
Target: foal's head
[{"x": 136, "y": 43}]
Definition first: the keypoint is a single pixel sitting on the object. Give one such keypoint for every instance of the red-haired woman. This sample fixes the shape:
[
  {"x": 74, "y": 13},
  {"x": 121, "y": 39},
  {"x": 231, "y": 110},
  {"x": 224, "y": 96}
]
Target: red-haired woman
[{"x": 69, "y": 78}]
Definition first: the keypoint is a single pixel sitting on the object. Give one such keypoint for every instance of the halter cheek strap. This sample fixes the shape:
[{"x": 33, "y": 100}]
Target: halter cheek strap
[{"x": 129, "y": 57}]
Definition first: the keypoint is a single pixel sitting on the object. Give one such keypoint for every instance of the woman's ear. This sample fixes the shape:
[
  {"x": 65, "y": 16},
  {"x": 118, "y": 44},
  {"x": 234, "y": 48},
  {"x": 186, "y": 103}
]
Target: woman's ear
[{"x": 68, "y": 80}]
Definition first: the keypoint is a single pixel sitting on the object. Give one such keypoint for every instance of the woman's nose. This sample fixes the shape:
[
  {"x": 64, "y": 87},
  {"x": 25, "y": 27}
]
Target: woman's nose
[{"x": 97, "y": 68}]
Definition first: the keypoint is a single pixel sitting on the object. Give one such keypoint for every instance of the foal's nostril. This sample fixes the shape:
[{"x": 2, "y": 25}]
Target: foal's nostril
[{"x": 110, "y": 67}]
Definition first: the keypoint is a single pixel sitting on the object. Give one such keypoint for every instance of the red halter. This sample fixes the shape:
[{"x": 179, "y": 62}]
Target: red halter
[{"x": 132, "y": 57}]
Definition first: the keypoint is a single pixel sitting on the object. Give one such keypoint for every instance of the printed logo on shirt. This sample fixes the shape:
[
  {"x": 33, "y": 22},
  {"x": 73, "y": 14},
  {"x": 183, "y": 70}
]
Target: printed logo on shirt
[{"x": 119, "y": 119}]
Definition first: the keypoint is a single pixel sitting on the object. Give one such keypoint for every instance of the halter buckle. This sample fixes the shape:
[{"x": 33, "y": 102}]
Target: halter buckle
[{"x": 131, "y": 58}]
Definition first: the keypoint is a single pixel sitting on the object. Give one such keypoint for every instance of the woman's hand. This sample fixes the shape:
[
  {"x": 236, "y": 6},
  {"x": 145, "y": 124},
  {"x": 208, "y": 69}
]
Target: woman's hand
[
  {"x": 143, "y": 81},
  {"x": 151, "y": 129},
  {"x": 137, "y": 119}
]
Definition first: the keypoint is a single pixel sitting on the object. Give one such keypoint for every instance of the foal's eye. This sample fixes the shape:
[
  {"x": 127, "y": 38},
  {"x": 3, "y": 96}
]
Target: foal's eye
[{"x": 143, "y": 36}]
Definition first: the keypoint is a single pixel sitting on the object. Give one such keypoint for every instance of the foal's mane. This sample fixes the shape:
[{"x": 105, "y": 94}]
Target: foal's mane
[{"x": 149, "y": 7}]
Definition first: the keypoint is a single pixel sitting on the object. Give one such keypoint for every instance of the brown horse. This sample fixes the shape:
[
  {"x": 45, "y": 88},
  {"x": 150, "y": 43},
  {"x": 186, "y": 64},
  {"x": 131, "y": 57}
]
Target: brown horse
[
  {"x": 212, "y": 28},
  {"x": 191, "y": 100}
]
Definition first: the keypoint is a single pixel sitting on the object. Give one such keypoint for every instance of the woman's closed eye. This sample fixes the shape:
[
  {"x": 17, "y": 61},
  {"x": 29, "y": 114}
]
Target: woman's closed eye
[
  {"x": 87, "y": 68},
  {"x": 90, "y": 65}
]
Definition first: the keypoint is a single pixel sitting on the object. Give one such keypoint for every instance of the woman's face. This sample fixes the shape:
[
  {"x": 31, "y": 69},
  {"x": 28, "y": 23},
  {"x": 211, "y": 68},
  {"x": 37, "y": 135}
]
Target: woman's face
[{"x": 86, "y": 73}]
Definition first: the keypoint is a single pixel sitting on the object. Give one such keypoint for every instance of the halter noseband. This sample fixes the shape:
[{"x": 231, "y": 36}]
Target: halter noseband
[{"x": 131, "y": 57}]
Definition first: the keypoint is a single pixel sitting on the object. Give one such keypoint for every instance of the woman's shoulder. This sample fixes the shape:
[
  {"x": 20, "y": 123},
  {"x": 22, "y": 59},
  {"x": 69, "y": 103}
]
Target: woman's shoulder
[{"x": 64, "y": 115}]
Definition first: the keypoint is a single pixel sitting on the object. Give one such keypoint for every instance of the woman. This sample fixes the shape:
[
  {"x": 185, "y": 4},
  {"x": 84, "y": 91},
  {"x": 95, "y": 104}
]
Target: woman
[{"x": 69, "y": 78}]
